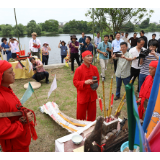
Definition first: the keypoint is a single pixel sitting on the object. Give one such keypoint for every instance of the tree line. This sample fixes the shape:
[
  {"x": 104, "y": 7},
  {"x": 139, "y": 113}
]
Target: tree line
[{"x": 48, "y": 27}]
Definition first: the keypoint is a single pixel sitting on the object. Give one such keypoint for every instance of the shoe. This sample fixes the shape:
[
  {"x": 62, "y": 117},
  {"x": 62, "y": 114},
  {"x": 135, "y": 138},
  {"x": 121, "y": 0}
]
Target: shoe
[
  {"x": 116, "y": 98},
  {"x": 47, "y": 82}
]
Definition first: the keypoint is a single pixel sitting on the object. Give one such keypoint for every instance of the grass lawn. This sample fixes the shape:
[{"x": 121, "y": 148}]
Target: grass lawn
[{"x": 66, "y": 97}]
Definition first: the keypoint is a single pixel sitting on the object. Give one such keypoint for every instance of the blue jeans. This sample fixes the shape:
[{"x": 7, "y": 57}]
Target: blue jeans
[
  {"x": 142, "y": 78},
  {"x": 119, "y": 83}
]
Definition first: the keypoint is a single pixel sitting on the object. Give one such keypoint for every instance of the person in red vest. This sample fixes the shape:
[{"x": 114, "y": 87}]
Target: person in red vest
[
  {"x": 146, "y": 89},
  {"x": 83, "y": 81},
  {"x": 16, "y": 131}
]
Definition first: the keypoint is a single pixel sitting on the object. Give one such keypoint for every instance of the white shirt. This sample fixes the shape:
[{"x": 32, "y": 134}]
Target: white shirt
[
  {"x": 37, "y": 41},
  {"x": 97, "y": 41},
  {"x": 125, "y": 39},
  {"x": 14, "y": 47},
  {"x": 134, "y": 52}
]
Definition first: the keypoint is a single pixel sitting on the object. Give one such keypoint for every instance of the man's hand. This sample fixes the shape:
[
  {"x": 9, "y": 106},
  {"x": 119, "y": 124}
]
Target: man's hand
[
  {"x": 122, "y": 56},
  {"x": 34, "y": 44},
  {"x": 134, "y": 58},
  {"x": 105, "y": 54},
  {"x": 73, "y": 45},
  {"x": 89, "y": 81},
  {"x": 113, "y": 56},
  {"x": 82, "y": 44},
  {"x": 107, "y": 49},
  {"x": 95, "y": 46},
  {"x": 4, "y": 50},
  {"x": 139, "y": 101},
  {"x": 30, "y": 116}
]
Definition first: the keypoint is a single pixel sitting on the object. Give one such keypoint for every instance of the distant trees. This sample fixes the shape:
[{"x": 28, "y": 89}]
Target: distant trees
[
  {"x": 20, "y": 28},
  {"x": 145, "y": 23},
  {"x": 51, "y": 26},
  {"x": 33, "y": 27},
  {"x": 128, "y": 27},
  {"x": 6, "y": 30}
]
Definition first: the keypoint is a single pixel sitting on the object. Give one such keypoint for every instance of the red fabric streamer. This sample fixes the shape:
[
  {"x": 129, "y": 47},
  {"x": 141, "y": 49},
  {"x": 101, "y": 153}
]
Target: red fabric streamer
[
  {"x": 100, "y": 103},
  {"x": 112, "y": 99},
  {"x": 101, "y": 146}
]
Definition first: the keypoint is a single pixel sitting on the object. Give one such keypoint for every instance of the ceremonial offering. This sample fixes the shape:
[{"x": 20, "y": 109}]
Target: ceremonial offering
[
  {"x": 77, "y": 139},
  {"x": 35, "y": 85}
]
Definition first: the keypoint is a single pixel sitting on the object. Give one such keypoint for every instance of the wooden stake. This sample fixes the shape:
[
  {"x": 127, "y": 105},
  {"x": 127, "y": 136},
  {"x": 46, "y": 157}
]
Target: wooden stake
[{"x": 104, "y": 99}]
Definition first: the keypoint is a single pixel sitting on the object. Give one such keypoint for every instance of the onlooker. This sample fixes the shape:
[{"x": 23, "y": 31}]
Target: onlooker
[
  {"x": 89, "y": 45},
  {"x": 64, "y": 50},
  {"x": 125, "y": 38},
  {"x": 153, "y": 39},
  {"x": 123, "y": 68},
  {"x": 122, "y": 34},
  {"x": 133, "y": 40},
  {"x": 73, "y": 52},
  {"x": 34, "y": 44},
  {"x": 110, "y": 40},
  {"x": 135, "y": 51},
  {"x": 152, "y": 56},
  {"x": 116, "y": 48},
  {"x": 69, "y": 42},
  {"x": 158, "y": 50},
  {"x": 14, "y": 44},
  {"x": 97, "y": 40},
  {"x": 82, "y": 42},
  {"x": 39, "y": 72},
  {"x": 144, "y": 37},
  {"x": 104, "y": 48},
  {"x": 6, "y": 48},
  {"x": 45, "y": 53}
]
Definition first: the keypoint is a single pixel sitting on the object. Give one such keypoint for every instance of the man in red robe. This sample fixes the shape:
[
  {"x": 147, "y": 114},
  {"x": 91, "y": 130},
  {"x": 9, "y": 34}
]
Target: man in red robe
[
  {"x": 146, "y": 89},
  {"x": 15, "y": 134},
  {"x": 86, "y": 96}
]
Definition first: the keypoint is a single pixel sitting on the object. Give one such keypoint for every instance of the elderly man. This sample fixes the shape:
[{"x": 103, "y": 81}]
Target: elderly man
[
  {"x": 86, "y": 96},
  {"x": 34, "y": 45},
  {"x": 15, "y": 134},
  {"x": 146, "y": 89}
]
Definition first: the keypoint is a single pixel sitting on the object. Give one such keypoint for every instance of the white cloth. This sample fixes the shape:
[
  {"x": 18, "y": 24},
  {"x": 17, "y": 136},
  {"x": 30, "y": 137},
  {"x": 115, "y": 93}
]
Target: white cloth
[
  {"x": 53, "y": 86},
  {"x": 134, "y": 52},
  {"x": 37, "y": 41},
  {"x": 97, "y": 41},
  {"x": 14, "y": 47},
  {"x": 103, "y": 63}
]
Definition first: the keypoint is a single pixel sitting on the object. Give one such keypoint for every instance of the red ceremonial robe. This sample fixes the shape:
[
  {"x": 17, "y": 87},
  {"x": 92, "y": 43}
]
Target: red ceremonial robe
[
  {"x": 145, "y": 94},
  {"x": 14, "y": 136},
  {"x": 86, "y": 97}
]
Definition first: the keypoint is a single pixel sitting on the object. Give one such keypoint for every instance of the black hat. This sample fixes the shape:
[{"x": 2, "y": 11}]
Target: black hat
[{"x": 74, "y": 37}]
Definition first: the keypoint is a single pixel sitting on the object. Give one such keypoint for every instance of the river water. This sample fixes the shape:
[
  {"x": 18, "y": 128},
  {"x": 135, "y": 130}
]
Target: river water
[{"x": 54, "y": 54}]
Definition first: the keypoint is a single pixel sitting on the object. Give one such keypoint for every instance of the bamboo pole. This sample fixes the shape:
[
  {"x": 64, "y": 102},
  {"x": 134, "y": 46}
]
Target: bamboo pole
[
  {"x": 104, "y": 99},
  {"x": 16, "y": 27},
  {"x": 110, "y": 96}
]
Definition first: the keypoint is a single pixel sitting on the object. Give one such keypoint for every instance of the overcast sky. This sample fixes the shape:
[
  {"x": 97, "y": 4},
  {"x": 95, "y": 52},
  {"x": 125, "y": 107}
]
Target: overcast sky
[{"x": 24, "y": 15}]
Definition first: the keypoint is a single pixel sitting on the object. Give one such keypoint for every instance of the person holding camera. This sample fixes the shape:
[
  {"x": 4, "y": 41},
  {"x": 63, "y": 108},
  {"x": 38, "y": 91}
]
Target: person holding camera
[
  {"x": 135, "y": 68},
  {"x": 123, "y": 68},
  {"x": 64, "y": 50},
  {"x": 145, "y": 60},
  {"x": 14, "y": 44},
  {"x": 73, "y": 52},
  {"x": 104, "y": 48},
  {"x": 39, "y": 72},
  {"x": 6, "y": 48}
]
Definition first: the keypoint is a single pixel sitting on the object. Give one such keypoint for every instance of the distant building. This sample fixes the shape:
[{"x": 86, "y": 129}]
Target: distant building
[{"x": 62, "y": 23}]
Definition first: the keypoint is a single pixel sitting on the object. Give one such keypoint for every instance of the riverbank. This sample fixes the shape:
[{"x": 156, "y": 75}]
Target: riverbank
[{"x": 66, "y": 97}]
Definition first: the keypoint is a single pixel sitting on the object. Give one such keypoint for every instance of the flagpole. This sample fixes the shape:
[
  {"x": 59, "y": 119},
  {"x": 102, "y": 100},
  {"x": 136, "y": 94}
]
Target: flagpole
[{"x": 36, "y": 98}]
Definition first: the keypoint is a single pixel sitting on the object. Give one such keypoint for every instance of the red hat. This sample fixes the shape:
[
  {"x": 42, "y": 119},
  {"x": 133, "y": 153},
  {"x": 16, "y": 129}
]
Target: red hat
[
  {"x": 86, "y": 53},
  {"x": 4, "y": 65},
  {"x": 154, "y": 64}
]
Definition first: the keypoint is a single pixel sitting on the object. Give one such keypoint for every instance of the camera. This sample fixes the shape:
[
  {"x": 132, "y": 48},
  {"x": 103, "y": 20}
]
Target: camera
[
  {"x": 144, "y": 53},
  {"x": 34, "y": 68}
]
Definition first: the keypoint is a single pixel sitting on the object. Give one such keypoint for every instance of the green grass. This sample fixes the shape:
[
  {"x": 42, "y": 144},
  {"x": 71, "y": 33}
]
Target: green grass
[{"x": 66, "y": 98}]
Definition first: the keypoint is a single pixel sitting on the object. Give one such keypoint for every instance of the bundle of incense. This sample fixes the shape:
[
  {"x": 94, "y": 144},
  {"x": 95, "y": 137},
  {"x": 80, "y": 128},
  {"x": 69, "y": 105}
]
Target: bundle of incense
[
  {"x": 120, "y": 104},
  {"x": 110, "y": 97},
  {"x": 104, "y": 99}
]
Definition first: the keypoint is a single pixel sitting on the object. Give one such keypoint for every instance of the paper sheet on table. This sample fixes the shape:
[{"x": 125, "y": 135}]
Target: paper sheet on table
[{"x": 80, "y": 149}]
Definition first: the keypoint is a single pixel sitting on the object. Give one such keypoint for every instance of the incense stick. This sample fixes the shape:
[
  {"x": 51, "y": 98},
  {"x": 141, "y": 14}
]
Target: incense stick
[{"x": 104, "y": 99}]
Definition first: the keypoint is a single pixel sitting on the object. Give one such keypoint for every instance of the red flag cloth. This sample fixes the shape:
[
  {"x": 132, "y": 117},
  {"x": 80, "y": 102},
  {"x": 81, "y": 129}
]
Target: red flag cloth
[
  {"x": 112, "y": 99},
  {"x": 100, "y": 103},
  {"x": 4, "y": 65},
  {"x": 18, "y": 66},
  {"x": 36, "y": 46},
  {"x": 14, "y": 136},
  {"x": 155, "y": 143},
  {"x": 145, "y": 94},
  {"x": 86, "y": 53},
  {"x": 154, "y": 64}
]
